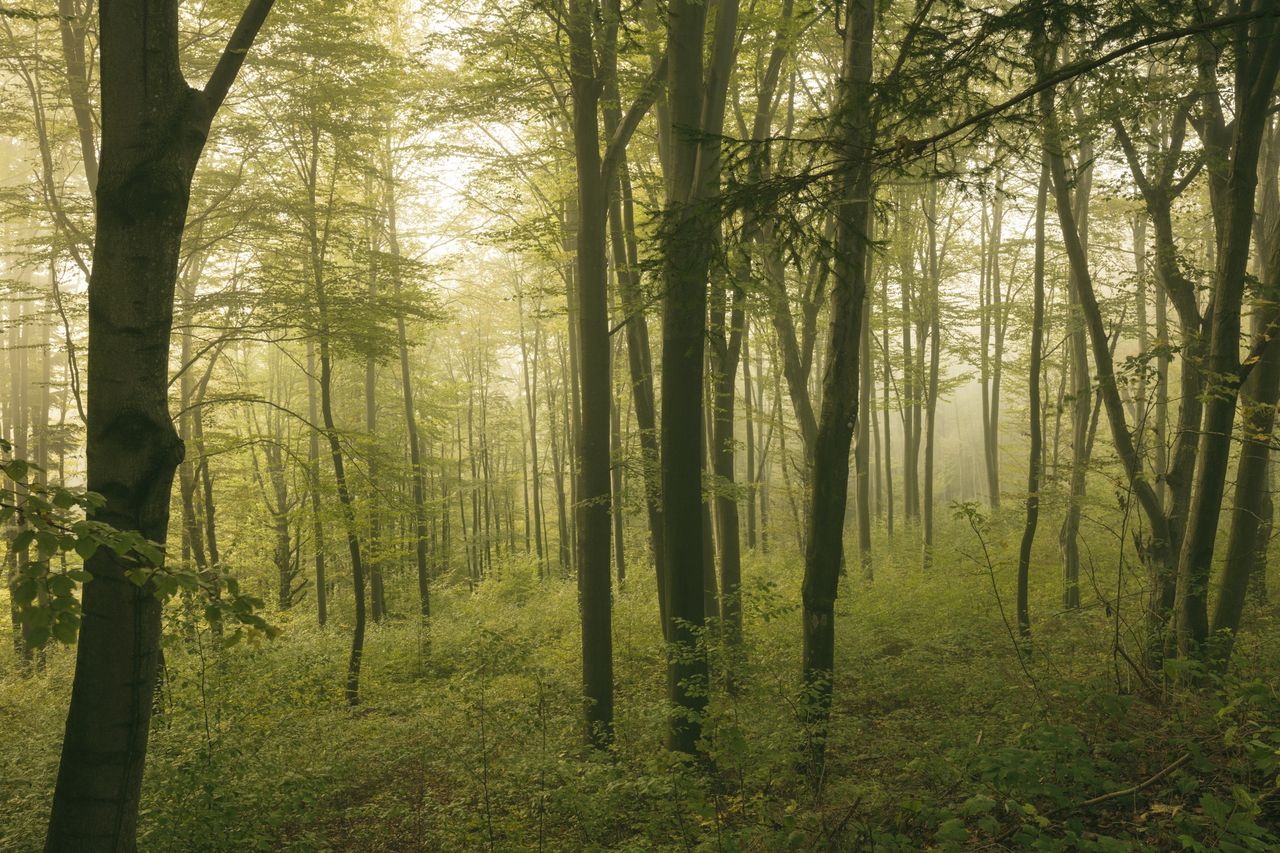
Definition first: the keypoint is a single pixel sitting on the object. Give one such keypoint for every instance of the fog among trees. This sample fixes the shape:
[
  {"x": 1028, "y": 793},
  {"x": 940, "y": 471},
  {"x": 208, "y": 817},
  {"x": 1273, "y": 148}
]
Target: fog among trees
[{"x": 721, "y": 425}]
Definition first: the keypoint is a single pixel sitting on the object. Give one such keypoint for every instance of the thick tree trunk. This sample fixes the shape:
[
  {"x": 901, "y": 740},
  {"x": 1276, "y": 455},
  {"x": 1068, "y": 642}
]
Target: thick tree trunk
[
  {"x": 687, "y": 239},
  {"x": 154, "y": 128},
  {"x": 726, "y": 351},
  {"x": 593, "y": 377}
]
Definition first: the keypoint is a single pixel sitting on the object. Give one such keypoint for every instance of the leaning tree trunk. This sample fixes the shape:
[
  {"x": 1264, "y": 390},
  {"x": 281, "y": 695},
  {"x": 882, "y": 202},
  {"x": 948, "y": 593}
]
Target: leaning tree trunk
[
  {"x": 154, "y": 127},
  {"x": 344, "y": 491},
  {"x": 1159, "y": 552}
]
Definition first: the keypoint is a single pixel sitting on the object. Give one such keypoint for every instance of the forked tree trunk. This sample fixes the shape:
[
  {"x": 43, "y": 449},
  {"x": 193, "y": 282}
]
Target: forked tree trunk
[{"x": 154, "y": 127}]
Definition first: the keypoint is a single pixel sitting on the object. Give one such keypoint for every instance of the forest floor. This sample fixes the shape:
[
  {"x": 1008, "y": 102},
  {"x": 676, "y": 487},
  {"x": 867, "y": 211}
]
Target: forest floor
[{"x": 943, "y": 736}]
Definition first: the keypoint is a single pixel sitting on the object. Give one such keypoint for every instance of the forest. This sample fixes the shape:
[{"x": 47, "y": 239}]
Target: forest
[{"x": 693, "y": 425}]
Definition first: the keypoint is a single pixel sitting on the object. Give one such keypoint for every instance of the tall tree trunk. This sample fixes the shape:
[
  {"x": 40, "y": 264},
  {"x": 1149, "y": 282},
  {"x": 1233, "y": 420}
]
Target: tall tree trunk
[
  {"x": 563, "y": 543},
  {"x": 1256, "y": 70},
  {"x": 684, "y": 310},
  {"x": 1158, "y": 552},
  {"x": 726, "y": 351},
  {"x": 748, "y": 418},
  {"x": 154, "y": 128},
  {"x": 616, "y": 178},
  {"x": 593, "y": 377},
  {"x": 908, "y": 399},
  {"x": 998, "y": 326},
  {"x": 1081, "y": 397},
  {"x": 934, "y": 308},
  {"x": 886, "y": 382},
  {"x": 1250, "y": 517},
  {"x": 313, "y": 473},
  {"x": 531, "y": 417},
  {"x": 616, "y": 486},
  {"x": 862, "y": 442},
  {"x": 344, "y": 494},
  {"x": 1036, "y": 452},
  {"x": 640, "y": 366},
  {"x": 824, "y": 552},
  {"x": 416, "y": 470},
  {"x": 376, "y": 592}
]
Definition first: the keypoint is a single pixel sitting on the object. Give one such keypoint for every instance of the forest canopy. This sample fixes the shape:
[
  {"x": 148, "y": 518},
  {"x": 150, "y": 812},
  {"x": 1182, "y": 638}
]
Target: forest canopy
[{"x": 692, "y": 425}]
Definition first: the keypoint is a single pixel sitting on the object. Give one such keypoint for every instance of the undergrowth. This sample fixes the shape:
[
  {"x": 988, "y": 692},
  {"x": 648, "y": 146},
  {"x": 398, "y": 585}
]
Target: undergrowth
[{"x": 945, "y": 736}]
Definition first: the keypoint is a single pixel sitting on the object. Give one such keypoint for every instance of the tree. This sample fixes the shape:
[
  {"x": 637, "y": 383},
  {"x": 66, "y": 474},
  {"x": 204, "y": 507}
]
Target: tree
[
  {"x": 154, "y": 128},
  {"x": 1035, "y": 462},
  {"x": 824, "y": 542},
  {"x": 1257, "y": 62}
]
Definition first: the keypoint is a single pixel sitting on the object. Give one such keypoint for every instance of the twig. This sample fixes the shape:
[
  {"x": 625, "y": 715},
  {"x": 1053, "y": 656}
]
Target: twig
[{"x": 1133, "y": 789}]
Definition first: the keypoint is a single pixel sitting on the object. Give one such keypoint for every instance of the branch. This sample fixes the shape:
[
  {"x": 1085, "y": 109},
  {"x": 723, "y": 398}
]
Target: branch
[
  {"x": 622, "y": 135},
  {"x": 224, "y": 74},
  {"x": 1070, "y": 72},
  {"x": 1133, "y": 789}
]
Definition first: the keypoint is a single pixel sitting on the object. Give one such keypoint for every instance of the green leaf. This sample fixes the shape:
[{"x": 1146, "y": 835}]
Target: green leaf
[
  {"x": 86, "y": 547},
  {"x": 952, "y": 831},
  {"x": 66, "y": 628},
  {"x": 47, "y": 544},
  {"x": 22, "y": 540},
  {"x": 61, "y": 585}
]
